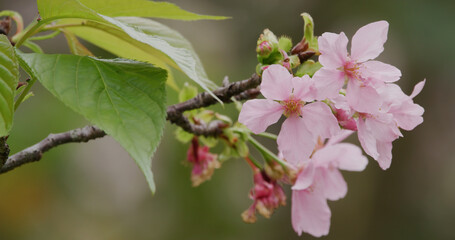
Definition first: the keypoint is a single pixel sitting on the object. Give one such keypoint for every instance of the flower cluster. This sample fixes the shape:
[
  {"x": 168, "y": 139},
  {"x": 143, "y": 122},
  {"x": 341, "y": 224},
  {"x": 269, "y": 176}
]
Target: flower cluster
[{"x": 350, "y": 92}]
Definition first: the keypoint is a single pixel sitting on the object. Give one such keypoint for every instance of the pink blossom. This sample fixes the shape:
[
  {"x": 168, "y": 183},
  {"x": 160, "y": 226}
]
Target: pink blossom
[
  {"x": 405, "y": 112},
  {"x": 363, "y": 77},
  {"x": 377, "y": 131},
  {"x": 204, "y": 163},
  {"x": 320, "y": 180},
  {"x": 267, "y": 195},
  {"x": 305, "y": 121}
]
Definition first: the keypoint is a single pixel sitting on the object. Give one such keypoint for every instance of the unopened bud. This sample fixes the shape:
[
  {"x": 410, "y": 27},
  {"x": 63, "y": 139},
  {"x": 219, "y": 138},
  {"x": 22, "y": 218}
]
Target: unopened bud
[
  {"x": 346, "y": 120},
  {"x": 303, "y": 56},
  {"x": 264, "y": 49},
  {"x": 303, "y": 51},
  {"x": 302, "y": 46},
  {"x": 267, "y": 44}
]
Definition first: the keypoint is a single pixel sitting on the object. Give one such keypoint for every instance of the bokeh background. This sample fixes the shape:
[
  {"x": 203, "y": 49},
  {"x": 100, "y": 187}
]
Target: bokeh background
[{"x": 95, "y": 191}]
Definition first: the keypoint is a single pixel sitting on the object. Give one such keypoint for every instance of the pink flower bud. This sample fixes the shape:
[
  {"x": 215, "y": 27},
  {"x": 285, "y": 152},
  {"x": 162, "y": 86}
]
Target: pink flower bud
[
  {"x": 345, "y": 120},
  {"x": 264, "y": 49}
]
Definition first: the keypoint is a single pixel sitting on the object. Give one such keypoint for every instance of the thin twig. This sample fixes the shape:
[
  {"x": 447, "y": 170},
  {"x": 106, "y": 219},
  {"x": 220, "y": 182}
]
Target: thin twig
[{"x": 35, "y": 152}]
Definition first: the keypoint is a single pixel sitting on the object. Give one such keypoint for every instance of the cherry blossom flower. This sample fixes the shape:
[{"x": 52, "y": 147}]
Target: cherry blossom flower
[
  {"x": 405, "y": 112},
  {"x": 290, "y": 96},
  {"x": 204, "y": 163},
  {"x": 362, "y": 76},
  {"x": 377, "y": 131},
  {"x": 320, "y": 180}
]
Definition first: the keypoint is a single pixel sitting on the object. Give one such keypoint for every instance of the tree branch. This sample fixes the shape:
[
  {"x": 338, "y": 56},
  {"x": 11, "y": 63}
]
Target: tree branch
[
  {"x": 35, "y": 152},
  {"x": 241, "y": 90}
]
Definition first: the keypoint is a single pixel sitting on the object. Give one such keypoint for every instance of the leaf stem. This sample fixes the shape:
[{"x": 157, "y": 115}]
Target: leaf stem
[
  {"x": 56, "y": 27},
  {"x": 266, "y": 152},
  {"x": 44, "y": 37},
  {"x": 268, "y": 135},
  {"x": 32, "y": 29}
]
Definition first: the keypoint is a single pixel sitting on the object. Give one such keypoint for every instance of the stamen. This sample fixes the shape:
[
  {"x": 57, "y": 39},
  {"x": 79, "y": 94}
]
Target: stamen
[{"x": 292, "y": 106}]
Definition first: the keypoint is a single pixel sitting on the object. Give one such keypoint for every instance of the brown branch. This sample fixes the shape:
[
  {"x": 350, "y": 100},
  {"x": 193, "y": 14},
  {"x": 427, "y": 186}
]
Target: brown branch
[
  {"x": 35, "y": 152},
  {"x": 4, "y": 150},
  {"x": 241, "y": 90}
]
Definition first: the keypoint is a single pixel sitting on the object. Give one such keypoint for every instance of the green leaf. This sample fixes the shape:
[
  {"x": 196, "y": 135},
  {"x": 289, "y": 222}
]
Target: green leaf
[
  {"x": 117, "y": 42},
  {"x": 174, "y": 50},
  {"x": 308, "y": 68},
  {"x": 115, "y": 8},
  {"x": 167, "y": 41},
  {"x": 50, "y": 10},
  {"x": 9, "y": 77},
  {"x": 145, "y": 40},
  {"x": 124, "y": 98},
  {"x": 308, "y": 31}
]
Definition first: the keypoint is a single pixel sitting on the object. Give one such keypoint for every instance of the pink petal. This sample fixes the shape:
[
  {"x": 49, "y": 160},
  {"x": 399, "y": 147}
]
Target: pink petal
[
  {"x": 408, "y": 115},
  {"x": 368, "y": 41},
  {"x": 276, "y": 83},
  {"x": 334, "y": 185},
  {"x": 333, "y": 48},
  {"x": 320, "y": 120},
  {"x": 380, "y": 71},
  {"x": 383, "y": 127},
  {"x": 310, "y": 212},
  {"x": 392, "y": 95},
  {"x": 328, "y": 83},
  {"x": 258, "y": 114},
  {"x": 352, "y": 159},
  {"x": 367, "y": 139},
  {"x": 418, "y": 88},
  {"x": 304, "y": 88},
  {"x": 385, "y": 154},
  {"x": 344, "y": 156},
  {"x": 305, "y": 178},
  {"x": 339, "y": 137},
  {"x": 362, "y": 98},
  {"x": 295, "y": 141}
]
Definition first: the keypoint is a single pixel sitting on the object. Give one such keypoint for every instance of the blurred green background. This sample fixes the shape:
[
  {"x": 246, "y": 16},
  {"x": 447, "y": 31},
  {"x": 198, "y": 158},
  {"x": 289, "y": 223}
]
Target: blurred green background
[{"x": 95, "y": 191}]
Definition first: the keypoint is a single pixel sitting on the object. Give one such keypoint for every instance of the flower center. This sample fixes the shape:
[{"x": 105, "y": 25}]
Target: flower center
[
  {"x": 292, "y": 106},
  {"x": 351, "y": 69}
]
